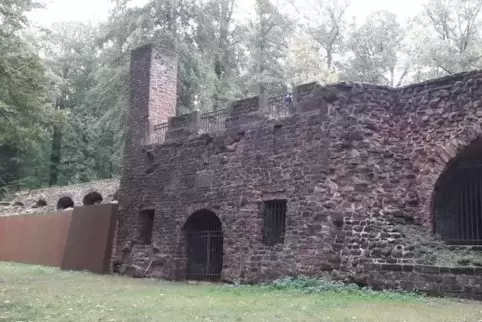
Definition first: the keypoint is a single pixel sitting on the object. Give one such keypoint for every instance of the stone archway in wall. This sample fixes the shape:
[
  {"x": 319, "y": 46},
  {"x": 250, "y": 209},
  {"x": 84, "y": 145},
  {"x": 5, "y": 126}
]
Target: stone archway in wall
[
  {"x": 92, "y": 198},
  {"x": 204, "y": 246},
  {"x": 65, "y": 203},
  {"x": 456, "y": 202}
]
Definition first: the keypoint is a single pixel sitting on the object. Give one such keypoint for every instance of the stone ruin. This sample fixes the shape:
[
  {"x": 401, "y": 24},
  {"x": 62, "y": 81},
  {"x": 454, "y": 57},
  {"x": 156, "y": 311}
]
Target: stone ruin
[
  {"x": 61, "y": 198},
  {"x": 353, "y": 182}
]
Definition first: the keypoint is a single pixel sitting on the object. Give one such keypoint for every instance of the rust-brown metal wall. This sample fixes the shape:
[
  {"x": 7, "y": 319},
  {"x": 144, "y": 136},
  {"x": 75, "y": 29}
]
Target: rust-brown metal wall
[
  {"x": 81, "y": 239},
  {"x": 89, "y": 245},
  {"x": 34, "y": 239}
]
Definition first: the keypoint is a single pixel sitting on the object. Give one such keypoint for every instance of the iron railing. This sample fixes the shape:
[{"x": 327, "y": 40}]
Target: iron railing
[
  {"x": 274, "y": 222},
  {"x": 213, "y": 121},
  {"x": 458, "y": 206},
  {"x": 216, "y": 120},
  {"x": 160, "y": 131},
  {"x": 277, "y": 111}
]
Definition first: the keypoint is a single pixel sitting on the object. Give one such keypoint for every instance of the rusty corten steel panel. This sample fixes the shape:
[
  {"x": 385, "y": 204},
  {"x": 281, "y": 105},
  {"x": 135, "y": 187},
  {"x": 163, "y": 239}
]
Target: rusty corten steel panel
[
  {"x": 89, "y": 245},
  {"x": 34, "y": 239}
]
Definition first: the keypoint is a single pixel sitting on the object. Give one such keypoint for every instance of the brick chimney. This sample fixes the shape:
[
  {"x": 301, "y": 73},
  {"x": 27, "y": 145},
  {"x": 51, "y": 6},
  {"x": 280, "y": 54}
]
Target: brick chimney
[{"x": 153, "y": 97}]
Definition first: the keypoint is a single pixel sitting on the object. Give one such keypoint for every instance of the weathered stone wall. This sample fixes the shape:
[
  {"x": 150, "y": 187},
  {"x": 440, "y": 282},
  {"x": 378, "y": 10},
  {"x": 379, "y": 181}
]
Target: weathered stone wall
[
  {"x": 47, "y": 199},
  {"x": 436, "y": 120},
  {"x": 354, "y": 162},
  {"x": 464, "y": 282}
]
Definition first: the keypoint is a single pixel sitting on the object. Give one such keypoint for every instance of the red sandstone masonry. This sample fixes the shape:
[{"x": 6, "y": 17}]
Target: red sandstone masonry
[
  {"x": 350, "y": 160},
  {"x": 465, "y": 282}
]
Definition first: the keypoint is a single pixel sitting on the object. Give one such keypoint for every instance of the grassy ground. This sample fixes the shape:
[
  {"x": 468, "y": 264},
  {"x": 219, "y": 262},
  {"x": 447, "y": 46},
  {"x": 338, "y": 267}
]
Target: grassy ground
[{"x": 32, "y": 293}]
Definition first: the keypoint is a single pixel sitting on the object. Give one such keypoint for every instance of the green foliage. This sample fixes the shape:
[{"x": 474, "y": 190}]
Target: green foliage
[
  {"x": 62, "y": 117},
  {"x": 433, "y": 251},
  {"x": 31, "y": 293},
  {"x": 319, "y": 285}
]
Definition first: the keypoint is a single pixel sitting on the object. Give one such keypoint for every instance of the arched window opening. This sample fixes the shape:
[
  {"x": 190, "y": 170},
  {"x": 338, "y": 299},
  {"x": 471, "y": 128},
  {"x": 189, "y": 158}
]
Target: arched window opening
[
  {"x": 64, "y": 203},
  {"x": 92, "y": 198},
  {"x": 204, "y": 236},
  {"x": 458, "y": 199}
]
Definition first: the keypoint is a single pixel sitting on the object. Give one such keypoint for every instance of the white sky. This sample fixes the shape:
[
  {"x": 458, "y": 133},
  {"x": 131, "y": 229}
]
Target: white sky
[{"x": 97, "y": 10}]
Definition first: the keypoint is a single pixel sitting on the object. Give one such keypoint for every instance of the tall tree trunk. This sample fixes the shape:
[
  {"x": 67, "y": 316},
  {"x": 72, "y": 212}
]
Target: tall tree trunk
[
  {"x": 9, "y": 168},
  {"x": 55, "y": 156}
]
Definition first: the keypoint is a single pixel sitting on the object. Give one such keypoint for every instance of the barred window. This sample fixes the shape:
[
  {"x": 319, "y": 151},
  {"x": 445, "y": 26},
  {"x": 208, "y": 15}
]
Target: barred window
[
  {"x": 274, "y": 222},
  {"x": 146, "y": 226}
]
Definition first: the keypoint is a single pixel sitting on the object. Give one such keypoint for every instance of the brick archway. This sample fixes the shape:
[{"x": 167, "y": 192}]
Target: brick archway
[{"x": 442, "y": 158}]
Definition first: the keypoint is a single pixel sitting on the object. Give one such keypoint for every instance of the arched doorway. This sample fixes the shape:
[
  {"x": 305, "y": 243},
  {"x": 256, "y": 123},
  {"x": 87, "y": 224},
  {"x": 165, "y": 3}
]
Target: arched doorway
[
  {"x": 204, "y": 235},
  {"x": 92, "y": 198},
  {"x": 64, "y": 203},
  {"x": 458, "y": 199}
]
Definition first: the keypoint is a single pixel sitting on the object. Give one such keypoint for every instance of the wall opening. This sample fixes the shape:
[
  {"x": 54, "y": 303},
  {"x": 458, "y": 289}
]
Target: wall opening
[
  {"x": 458, "y": 199},
  {"x": 146, "y": 219},
  {"x": 64, "y": 203},
  {"x": 93, "y": 198},
  {"x": 274, "y": 224},
  {"x": 204, "y": 236},
  {"x": 41, "y": 202}
]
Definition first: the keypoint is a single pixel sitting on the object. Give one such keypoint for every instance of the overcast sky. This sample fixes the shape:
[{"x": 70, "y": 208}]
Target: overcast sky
[{"x": 97, "y": 10}]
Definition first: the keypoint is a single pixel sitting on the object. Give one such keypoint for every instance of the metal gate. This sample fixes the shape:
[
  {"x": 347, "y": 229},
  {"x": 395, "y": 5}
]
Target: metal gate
[
  {"x": 205, "y": 247},
  {"x": 458, "y": 205}
]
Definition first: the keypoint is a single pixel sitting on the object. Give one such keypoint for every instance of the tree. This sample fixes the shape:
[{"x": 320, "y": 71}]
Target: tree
[
  {"x": 24, "y": 113},
  {"x": 219, "y": 36},
  {"x": 70, "y": 53},
  {"x": 12, "y": 15},
  {"x": 325, "y": 22},
  {"x": 303, "y": 63},
  {"x": 266, "y": 48},
  {"x": 447, "y": 37},
  {"x": 375, "y": 48}
]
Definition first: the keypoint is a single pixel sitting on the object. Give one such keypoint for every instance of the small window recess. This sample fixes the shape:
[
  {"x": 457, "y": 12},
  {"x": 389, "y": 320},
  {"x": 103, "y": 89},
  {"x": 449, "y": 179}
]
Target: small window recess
[
  {"x": 146, "y": 219},
  {"x": 274, "y": 225}
]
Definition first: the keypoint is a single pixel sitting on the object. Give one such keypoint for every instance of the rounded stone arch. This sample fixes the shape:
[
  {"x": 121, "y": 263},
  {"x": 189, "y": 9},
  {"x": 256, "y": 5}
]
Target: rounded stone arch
[
  {"x": 458, "y": 159},
  {"x": 92, "y": 198},
  {"x": 65, "y": 202},
  {"x": 203, "y": 241}
]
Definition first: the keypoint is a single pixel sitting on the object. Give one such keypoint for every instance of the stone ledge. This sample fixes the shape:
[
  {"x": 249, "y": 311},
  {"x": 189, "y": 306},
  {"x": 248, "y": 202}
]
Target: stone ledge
[{"x": 426, "y": 269}]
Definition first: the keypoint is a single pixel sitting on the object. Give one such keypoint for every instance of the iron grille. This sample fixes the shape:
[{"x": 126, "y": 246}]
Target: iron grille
[
  {"x": 213, "y": 121},
  {"x": 458, "y": 206},
  {"x": 160, "y": 131},
  {"x": 274, "y": 222},
  {"x": 205, "y": 247},
  {"x": 277, "y": 111}
]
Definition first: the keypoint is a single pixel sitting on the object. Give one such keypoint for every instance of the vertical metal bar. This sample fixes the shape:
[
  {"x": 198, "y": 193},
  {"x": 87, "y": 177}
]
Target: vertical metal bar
[
  {"x": 460, "y": 217},
  {"x": 445, "y": 213},
  {"x": 479, "y": 199},
  {"x": 472, "y": 205},
  {"x": 466, "y": 193},
  {"x": 469, "y": 209},
  {"x": 208, "y": 254}
]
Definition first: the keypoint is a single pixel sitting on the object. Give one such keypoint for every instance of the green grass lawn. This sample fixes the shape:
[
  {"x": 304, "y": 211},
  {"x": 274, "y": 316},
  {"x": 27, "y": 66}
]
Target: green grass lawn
[{"x": 33, "y": 293}]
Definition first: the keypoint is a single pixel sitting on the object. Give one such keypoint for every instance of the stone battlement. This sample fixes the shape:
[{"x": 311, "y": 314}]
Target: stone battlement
[{"x": 398, "y": 101}]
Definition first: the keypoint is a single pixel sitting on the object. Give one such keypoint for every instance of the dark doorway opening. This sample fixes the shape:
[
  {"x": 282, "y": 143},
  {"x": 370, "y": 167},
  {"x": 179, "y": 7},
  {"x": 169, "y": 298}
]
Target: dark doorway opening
[
  {"x": 92, "y": 198},
  {"x": 204, "y": 236},
  {"x": 64, "y": 203},
  {"x": 458, "y": 199}
]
